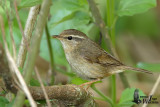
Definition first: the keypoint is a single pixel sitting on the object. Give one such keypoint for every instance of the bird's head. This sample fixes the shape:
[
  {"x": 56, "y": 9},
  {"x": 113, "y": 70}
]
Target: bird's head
[{"x": 71, "y": 38}]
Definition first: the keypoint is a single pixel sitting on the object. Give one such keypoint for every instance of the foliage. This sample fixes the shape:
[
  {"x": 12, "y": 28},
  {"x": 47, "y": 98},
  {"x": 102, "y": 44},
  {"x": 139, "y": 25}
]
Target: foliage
[
  {"x": 3, "y": 101},
  {"x": 29, "y": 3},
  {"x": 131, "y": 7}
]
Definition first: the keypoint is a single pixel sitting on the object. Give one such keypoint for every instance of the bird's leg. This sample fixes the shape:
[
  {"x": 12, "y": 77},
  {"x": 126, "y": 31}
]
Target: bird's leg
[{"x": 89, "y": 83}]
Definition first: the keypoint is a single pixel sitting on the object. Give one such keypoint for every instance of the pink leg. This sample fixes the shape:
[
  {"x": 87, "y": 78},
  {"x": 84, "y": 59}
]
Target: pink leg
[{"x": 89, "y": 83}]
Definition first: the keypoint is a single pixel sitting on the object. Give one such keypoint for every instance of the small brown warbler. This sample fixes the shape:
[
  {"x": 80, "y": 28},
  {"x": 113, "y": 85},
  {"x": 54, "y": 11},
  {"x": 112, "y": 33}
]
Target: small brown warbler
[{"x": 88, "y": 59}]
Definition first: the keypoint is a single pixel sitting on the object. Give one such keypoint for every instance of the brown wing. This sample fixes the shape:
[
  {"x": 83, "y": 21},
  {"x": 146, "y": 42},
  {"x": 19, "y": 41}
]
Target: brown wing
[{"x": 95, "y": 54}]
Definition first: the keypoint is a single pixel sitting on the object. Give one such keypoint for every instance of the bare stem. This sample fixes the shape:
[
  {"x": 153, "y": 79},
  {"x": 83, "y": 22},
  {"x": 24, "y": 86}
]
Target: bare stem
[
  {"x": 153, "y": 89},
  {"x": 33, "y": 13},
  {"x": 99, "y": 22},
  {"x": 105, "y": 98},
  {"x": 11, "y": 34},
  {"x": 50, "y": 54},
  {"x": 18, "y": 19},
  {"x": 43, "y": 88}
]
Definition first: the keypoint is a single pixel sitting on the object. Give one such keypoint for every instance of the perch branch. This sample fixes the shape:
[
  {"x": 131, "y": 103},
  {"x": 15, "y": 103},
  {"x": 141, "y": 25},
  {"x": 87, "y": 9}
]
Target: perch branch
[{"x": 70, "y": 95}]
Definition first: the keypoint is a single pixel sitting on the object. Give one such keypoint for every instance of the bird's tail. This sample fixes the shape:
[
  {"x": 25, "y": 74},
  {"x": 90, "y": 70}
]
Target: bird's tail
[{"x": 135, "y": 69}]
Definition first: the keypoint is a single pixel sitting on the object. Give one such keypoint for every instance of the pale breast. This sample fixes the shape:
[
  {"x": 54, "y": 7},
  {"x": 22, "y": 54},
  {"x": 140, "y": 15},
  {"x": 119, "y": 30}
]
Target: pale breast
[{"x": 84, "y": 69}]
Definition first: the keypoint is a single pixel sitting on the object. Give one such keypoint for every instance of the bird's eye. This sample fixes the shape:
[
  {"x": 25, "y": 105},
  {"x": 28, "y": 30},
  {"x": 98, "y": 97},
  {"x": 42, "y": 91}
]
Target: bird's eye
[{"x": 69, "y": 37}]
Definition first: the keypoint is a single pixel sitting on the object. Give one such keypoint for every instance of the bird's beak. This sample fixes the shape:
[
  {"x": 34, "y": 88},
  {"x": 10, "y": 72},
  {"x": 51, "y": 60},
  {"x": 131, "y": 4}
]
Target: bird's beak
[{"x": 56, "y": 36}]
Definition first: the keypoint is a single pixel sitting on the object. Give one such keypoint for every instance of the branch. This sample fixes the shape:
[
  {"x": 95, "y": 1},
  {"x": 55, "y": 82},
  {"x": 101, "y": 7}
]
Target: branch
[
  {"x": 33, "y": 13},
  {"x": 5, "y": 72},
  {"x": 100, "y": 23},
  {"x": 70, "y": 95}
]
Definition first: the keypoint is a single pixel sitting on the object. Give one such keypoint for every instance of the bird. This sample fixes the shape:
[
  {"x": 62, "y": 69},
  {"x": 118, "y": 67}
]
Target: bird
[{"x": 88, "y": 59}]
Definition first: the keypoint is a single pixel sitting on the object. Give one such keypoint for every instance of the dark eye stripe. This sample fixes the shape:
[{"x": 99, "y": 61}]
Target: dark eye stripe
[{"x": 73, "y": 38}]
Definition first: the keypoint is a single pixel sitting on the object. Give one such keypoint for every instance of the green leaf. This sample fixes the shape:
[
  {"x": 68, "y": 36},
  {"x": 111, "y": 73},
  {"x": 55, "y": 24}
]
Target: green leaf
[
  {"x": 3, "y": 101},
  {"x": 34, "y": 82},
  {"x": 78, "y": 81},
  {"x": 127, "y": 97},
  {"x": 29, "y": 3},
  {"x": 68, "y": 17},
  {"x": 149, "y": 66},
  {"x": 131, "y": 7}
]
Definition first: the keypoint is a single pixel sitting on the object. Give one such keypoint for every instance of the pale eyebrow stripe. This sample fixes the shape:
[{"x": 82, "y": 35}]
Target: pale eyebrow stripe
[{"x": 76, "y": 36}]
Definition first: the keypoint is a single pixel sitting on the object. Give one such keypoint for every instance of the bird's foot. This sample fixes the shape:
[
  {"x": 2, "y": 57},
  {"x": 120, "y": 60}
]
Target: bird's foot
[{"x": 89, "y": 83}]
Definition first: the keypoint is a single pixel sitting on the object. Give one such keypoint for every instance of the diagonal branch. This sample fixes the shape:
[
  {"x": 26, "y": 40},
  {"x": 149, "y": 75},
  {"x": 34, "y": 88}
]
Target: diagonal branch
[
  {"x": 43, "y": 88},
  {"x": 33, "y": 13},
  {"x": 100, "y": 23},
  {"x": 18, "y": 19},
  {"x": 153, "y": 89}
]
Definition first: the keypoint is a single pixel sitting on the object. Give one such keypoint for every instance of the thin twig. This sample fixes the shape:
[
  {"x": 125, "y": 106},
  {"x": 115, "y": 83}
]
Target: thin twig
[
  {"x": 50, "y": 54},
  {"x": 35, "y": 45},
  {"x": 18, "y": 19},
  {"x": 102, "y": 95},
  {"x": 153, "y": 89},
  {"x": 43, "y": 88},
  {"x": 5, "y": 72},
  {"x": 14, "y": 67},
  {"x": 11, "y": 34},
  {"x": 33, "y": 13},
  {"x": 100, "y": 23}
]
